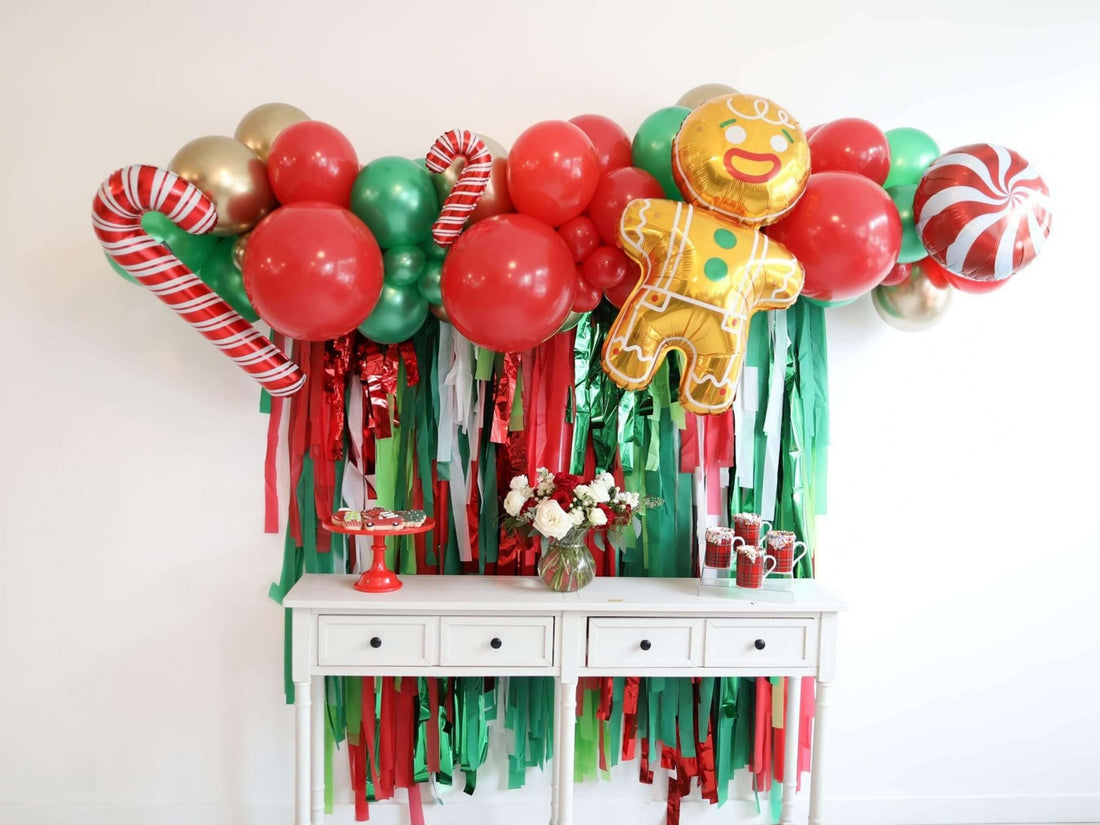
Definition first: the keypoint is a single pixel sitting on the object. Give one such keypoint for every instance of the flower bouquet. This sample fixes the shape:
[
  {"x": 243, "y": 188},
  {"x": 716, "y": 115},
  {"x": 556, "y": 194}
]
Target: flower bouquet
[{"x": 564, "y": 508}]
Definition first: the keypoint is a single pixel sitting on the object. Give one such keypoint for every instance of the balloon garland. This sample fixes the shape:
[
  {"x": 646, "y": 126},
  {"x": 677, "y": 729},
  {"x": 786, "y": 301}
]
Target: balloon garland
[{"x": 524, "y": 269}]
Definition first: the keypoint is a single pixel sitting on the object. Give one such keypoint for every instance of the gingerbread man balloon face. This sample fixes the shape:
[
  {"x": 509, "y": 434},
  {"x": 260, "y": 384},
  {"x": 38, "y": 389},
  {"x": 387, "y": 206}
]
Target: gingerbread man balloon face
[
  {"x": 739, "y": 160},
  {"x": 743, "y": 157}
]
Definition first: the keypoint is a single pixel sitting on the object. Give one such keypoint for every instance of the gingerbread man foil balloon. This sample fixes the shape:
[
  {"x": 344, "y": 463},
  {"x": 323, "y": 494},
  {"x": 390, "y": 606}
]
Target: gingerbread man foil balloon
[{"x": 741, "y": 162}]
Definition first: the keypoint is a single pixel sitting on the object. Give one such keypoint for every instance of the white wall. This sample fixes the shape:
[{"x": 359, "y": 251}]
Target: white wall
[{"x": 141, "y": 657}]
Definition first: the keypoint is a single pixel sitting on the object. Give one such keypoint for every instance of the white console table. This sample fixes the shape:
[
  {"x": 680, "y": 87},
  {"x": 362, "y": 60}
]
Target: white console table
[{"x": 513, "y": 626}]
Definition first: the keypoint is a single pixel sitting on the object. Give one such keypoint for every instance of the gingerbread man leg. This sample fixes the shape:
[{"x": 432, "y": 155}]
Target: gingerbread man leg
[
  {"x": 710, "y": 381},
  {"x": 633, "y": 350}
]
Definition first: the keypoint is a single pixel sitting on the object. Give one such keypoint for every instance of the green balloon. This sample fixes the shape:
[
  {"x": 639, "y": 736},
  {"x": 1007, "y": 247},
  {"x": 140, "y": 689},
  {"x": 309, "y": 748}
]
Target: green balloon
[
  {"x": 221, "y": 274},
  {"x": 396, "y": 317},
  {"x": 652, "y": 148},
  {"x": 431, "y": 283},
  {"x": 192, "y": 250},
  {"x": 394, "y": 196},
  {"x": 404, "y": 265},
  {"x": 911, "y": 152},
  {"x": 911, "y": 247},
  {"x": 434, "y": 250}
]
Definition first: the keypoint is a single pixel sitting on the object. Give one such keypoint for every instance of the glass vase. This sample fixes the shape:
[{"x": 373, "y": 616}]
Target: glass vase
[{"x": 567, "y": 565}]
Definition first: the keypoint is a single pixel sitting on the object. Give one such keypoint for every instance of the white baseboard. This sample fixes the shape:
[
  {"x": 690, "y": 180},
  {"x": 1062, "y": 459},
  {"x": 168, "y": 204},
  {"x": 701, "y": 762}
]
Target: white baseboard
[{"x": 525, "y": 809}]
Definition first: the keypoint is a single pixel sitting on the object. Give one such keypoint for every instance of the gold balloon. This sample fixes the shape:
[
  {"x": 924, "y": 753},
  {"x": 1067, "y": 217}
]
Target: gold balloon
[
  {"x": 743, "y": 157},
  {"x": 699, "y": 95},
  {"x": 239, "y": 247},
  {"x": 230, "y": 175},
  {"x": 914, "y": 304},
  {"x": 494, "y": 200},
  {"x": 571, "y": 320},
  {"x": 703, "y": 278},
  {"x": 259, "y": 128},
  {"x": 439, "y": 312}
]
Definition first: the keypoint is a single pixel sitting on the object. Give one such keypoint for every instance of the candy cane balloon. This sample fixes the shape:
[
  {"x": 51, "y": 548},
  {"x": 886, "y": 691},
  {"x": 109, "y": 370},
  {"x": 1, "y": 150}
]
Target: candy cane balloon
[
  {"x": 116, "y": 217},
  {"x": 982, "y": 211},
  {"x": 471, "y": 182}
]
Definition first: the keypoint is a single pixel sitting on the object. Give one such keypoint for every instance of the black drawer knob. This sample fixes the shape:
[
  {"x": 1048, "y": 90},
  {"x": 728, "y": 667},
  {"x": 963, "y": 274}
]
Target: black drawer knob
[
  {"x": 759, "y": 644},
  {"x": 495, "y": 643},
  {"x": 646, "y": 644},
  {"x": 376, "y": 642}
]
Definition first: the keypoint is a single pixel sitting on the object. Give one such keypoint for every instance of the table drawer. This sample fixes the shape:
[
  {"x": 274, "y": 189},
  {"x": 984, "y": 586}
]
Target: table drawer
[
  {"x": 645, "y": 643},
  {"x": 366, "y": 641},
  {"x": 502, "y": 641},
  {"x": 756, "y": 643}
]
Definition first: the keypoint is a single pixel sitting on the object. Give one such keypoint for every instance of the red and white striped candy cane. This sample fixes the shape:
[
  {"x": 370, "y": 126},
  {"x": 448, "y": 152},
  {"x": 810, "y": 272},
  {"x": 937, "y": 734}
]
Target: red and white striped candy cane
[
  {"x": 459, "y": 143},
  {"x": 116, "y": 216}
]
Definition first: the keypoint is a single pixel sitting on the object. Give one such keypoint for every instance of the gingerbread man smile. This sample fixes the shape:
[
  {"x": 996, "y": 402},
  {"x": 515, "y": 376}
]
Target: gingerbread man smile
[{"x": 752, "y": 158}]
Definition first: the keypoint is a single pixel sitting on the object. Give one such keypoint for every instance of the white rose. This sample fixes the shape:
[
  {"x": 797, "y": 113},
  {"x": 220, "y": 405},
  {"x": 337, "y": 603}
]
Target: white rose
[
  {"x": 598, "y": 517},
  {"x": 599, "y": 493},
  {"x": 551, "y": 520},
  {"x": 577, "y": 516},
  {"x": 519, "y": 483},
  {"x": 582, "y": 491},
  {"x": 629, "y": 499},
  {"x": 605, "y": 480},
  {"x": 514, "y": 501}
]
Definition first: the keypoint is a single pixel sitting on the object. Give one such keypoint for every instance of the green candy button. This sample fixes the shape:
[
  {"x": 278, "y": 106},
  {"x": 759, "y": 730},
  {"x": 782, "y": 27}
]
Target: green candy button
[
  {"x": 725, "y": 239},
  {"x": 715, "y": 269}
]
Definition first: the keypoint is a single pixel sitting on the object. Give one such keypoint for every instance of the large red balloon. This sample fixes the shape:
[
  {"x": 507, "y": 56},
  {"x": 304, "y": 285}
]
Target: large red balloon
[
  {"x": 312, "y": 270},
  {"x": 508, "y": 282},
  {"x": 846, "y": 233},
  {"x": 610, "y": 139},
  {"x": 616, "y": 189},
  {"x": 553, "y": 170},
  {"x": 312, "y": 161},
  {"x": 851, "y": 144}
]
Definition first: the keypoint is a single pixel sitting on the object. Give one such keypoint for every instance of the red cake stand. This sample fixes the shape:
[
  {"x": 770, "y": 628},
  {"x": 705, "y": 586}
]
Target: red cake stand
[{"x": 379, "y": 578}]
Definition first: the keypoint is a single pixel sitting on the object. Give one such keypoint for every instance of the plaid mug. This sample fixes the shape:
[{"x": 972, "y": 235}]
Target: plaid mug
[
  {"x": 752, "y": 566},
  {"x": 781, "y": 545},
  {"x": 748, "y": 527}
]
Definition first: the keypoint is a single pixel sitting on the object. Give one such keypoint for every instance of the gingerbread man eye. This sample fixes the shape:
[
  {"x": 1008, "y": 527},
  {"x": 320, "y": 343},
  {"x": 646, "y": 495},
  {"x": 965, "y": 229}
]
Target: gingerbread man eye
[
  {"x": 736, "y": 134},
  {"x": 779, "y": 143}
]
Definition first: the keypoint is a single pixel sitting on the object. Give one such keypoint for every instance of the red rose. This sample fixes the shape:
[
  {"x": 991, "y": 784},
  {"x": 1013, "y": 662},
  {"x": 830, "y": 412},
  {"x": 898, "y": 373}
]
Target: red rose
[
  {"x": 567, "y": 482},
  {"x": 607, "y": 511},
  {"x": 563, "y": 497},
  {"x": 530, "y": 504}
]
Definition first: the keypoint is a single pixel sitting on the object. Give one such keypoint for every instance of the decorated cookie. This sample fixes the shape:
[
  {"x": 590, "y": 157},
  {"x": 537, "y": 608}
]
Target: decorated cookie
[
  {"x": 378, "y": 518},
  {"x": 412, "y": 518},
  {"x": 352, "y": 519}
]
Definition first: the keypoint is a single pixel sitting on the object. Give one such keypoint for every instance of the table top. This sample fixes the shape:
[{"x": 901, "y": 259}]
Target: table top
[{"x": 527, "y": 594}]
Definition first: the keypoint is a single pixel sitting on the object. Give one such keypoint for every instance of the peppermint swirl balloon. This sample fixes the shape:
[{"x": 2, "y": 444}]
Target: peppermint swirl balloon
[{"x": 982, "y": 211}]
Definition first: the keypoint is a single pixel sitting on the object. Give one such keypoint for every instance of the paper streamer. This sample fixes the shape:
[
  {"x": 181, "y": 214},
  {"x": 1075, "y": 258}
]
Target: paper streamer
[
  {"x": 116, "y": 217},
  {"x": 448, "y": 147}
]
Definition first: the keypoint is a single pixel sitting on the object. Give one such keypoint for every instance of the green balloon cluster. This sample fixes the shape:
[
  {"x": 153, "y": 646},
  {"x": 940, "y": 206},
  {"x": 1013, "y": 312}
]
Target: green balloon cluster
[
  {"x": 394, "y": 196},
  {"x": 652, "y": 147},
  {"x": 911, "y": 247},
  {"x": 911, "y": 152},
  {"x": 411, "y": 282}
]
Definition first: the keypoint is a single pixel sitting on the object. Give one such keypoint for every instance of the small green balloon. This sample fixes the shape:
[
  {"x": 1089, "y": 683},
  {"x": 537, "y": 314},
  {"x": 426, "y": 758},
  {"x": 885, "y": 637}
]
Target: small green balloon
[
  {"x": 911, "y": 247},
  {"x": 221, "y": 274},
  {"x": 404, "y": 265},
  {"x": 431, "y": 283},
  {"x": 396, "y": 317},
  {"x": 652, "y": 147},
  {"x": 395, "y": 197},
  {"x": 434, "y": 250},
  {"x": 192, "y": 250},
  {"x": 911, "y": 152}
]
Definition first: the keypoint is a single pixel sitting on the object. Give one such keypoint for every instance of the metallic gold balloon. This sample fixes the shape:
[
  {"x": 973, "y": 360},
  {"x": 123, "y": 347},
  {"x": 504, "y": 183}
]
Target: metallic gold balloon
[
  {"x": 259, "y": 128},
  {"x": 495, "y": 199},
  {"x": 914, "y": 304},
  {"x": 703, "y": 278},
  {"x": 743, "y": 157},
  {"x": 239, "y": 247},
  {"x": 571, "y": 320},
  {"x": 699, "y": 95},
  {"x": 230, "y": 175},
  {"x": 439, "y": 312}
]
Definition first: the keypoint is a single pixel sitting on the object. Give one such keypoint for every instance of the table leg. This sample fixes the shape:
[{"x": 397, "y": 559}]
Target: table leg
[
  {"x": 790, "y": 750},
  {"x": 317, "y": 750},
  {"x": 817, "y": 769},
  {"x": 555, "y": 769},
  {"x": 566, "y": 727},
  {"x": 301, "y": 753}
]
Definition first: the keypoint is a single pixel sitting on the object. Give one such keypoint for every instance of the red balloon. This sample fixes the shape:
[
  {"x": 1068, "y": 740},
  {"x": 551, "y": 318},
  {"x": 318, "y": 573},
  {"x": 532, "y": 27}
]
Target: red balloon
[
  {"x": 845, "y": 231},
  {"x": 587, "y": 297},
  {"x": 850, "y": 144},
  {"x": 610, "y": 139},
  {"x": 508, "y": 282},
  {"x": 553, "y": 170},
  {"x": 813, "y": 130},
  {"x": 312, "y": 270},
  {"x": 898, "y": 275},
  {"x": 606, "y": 267},
  {"x": 312, "y": 161},
  {"x": 615, "y": 190},
  {"x": 580, "y": 236},
  {"x": 618, "y": 294}
]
